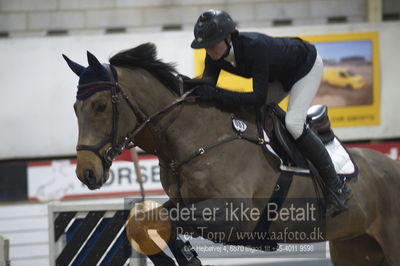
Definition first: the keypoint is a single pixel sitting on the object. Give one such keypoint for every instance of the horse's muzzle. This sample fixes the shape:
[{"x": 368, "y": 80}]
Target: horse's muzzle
[{"x": 90, "y": 180}]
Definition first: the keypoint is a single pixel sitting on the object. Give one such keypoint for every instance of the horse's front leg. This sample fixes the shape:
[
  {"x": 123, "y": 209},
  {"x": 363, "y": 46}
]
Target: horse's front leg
[
  {"x": 150, "y": 230},
  {"x": 182, "y": 250}
]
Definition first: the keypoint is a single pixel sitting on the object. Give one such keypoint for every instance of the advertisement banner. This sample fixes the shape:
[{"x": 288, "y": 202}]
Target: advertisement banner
[
  {"x": 350, "y": 82},
  {"x": 56, "y": 180}
]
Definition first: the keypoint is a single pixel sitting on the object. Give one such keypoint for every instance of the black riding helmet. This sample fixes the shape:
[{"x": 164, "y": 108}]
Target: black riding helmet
[{"x": 212, "y": 27}]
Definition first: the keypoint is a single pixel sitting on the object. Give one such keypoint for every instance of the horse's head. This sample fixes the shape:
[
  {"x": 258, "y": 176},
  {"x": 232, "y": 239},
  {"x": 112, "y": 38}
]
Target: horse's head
[
  {"x": 108, "y": 119},
  {"x": 99, "y": 112}
]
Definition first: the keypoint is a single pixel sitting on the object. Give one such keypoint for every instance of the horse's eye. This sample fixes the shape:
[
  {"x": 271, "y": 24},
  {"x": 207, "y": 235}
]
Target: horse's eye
[{"x": 101, "y": 107}]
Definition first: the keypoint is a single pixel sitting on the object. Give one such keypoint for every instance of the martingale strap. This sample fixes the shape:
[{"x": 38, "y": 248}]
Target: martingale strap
[
  {"x": 175, "y": 165},
  {"x": 278, "y": 195}
]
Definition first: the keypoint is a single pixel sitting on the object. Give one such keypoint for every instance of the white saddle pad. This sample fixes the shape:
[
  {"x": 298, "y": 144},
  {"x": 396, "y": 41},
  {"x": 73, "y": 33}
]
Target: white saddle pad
[
  {"x": 344, "y": 165},
  {"x": 341, "y": 159}
]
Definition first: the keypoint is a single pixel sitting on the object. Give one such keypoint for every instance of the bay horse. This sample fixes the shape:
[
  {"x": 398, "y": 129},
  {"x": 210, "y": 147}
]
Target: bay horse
[{"x": 139, "y": 98}]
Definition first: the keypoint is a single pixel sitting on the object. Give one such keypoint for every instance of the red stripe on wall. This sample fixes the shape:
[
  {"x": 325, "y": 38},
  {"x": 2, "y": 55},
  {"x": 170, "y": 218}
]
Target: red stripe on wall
[
  {"x": 38, "y": 164},
  {"x": 108, "y": 194},
  {"x": 125, "y": 156}
]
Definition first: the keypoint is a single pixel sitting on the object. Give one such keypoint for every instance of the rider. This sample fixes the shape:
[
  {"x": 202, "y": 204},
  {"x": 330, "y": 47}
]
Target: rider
[{"x": 278, "y": 66}]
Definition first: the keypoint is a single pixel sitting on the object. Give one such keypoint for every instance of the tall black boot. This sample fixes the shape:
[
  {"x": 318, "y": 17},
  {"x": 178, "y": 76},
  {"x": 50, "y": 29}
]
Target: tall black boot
[{"x": 314, "y": 150}]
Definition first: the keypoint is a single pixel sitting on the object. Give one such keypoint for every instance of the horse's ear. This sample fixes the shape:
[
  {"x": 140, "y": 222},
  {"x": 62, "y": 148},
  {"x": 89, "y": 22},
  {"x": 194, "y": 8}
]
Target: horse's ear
[
  {"x": 77, "y": 68},
  {"x": 94, "y": 63}
]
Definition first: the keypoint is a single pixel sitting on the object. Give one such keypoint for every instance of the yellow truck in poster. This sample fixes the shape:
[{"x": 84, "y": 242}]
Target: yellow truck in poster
[{"x": 342, "y": 77}]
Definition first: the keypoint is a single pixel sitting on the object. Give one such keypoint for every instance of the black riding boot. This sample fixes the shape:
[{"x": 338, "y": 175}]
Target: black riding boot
[{"x": 314, "y": 150}]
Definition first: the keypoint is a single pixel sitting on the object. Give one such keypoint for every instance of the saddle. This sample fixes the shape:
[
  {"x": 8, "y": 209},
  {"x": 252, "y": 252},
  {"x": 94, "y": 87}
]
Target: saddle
[{"x": 279, "y": 142}]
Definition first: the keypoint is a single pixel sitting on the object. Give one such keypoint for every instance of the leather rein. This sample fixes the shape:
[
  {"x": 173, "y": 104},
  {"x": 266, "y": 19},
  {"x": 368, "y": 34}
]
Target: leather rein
[{"x": 127, "y": 142}]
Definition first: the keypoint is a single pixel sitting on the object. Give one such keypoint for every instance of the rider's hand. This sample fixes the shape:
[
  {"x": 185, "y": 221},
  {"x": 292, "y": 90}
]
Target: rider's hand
[{"x": 207, "y": 92}]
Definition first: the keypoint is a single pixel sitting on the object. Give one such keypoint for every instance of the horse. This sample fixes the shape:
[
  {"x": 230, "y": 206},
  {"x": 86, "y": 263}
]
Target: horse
[{"x": 139, "y": 99}]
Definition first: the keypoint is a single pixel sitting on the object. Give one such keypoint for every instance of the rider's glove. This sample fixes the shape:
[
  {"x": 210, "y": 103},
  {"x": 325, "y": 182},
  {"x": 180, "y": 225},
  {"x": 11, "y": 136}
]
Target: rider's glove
[{"x": 207, "y": 92}]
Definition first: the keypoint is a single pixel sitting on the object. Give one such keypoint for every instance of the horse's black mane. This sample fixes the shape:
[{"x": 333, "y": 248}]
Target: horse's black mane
[{"x": 145, "y": 56}]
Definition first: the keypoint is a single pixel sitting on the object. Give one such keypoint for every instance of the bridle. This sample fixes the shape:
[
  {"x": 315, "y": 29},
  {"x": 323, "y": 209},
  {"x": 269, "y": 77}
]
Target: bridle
[{"x": 142, "y": 120}]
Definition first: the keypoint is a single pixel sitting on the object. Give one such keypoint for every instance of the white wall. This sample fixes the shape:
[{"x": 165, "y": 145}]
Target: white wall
[{"x": 37, "y": 89}]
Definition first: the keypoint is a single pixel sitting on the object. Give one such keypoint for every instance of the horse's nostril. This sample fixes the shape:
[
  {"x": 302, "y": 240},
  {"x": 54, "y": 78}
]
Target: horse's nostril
[
  {"x": 89, "y": 178},
  {"x": 86, "y": 178}
]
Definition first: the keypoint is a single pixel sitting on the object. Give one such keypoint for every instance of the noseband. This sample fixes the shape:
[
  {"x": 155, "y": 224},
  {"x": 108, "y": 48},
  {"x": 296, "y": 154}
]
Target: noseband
[{"x": 116, "y": 147}]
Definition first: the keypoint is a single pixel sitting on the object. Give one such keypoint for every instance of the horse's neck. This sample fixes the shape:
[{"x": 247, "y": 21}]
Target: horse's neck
[
  {"x": 183, "y": 129},
  {"x": 147, "y": 91}
]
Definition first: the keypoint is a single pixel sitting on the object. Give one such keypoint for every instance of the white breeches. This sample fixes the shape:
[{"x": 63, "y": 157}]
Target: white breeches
[{"x": 300, "y": 98}]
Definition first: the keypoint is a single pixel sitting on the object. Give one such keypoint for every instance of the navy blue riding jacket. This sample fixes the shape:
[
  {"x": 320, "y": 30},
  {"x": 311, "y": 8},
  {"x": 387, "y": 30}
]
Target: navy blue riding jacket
[{"x": 265, "y": 59}]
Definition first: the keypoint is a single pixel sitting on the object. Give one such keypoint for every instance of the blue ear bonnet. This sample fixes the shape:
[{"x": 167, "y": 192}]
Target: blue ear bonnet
[
  {"x": 90, "y": 76},
  {"x": 95, "y": 73}
]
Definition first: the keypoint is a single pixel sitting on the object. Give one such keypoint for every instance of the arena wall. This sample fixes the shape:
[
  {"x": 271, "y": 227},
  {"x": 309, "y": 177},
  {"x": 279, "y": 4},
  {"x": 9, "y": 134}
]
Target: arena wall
[{"x": 38, "y": 89}]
